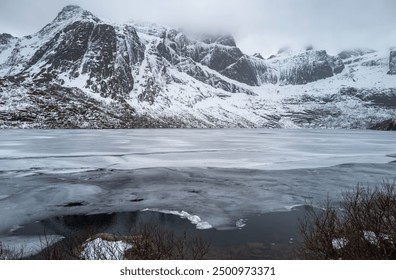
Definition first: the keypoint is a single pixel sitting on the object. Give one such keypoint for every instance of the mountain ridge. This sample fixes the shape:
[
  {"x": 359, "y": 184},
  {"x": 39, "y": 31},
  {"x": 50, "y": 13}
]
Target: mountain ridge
[{"x": 153, "y": 76}]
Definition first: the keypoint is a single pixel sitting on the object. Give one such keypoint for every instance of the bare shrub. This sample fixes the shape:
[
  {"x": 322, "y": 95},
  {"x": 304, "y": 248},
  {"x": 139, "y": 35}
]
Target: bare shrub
[
  {"x": 151, "y": 242},
  {"x": 148, "y": 242},
  {"x": 10, "y": 254},
  {"x": 68, "y": 248},
  {"x": 364, "y": 227}
]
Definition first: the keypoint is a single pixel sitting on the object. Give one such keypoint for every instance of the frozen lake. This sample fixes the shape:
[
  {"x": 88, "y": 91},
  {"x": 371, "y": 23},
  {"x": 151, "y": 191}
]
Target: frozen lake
[{"x": 215, "y": 178}]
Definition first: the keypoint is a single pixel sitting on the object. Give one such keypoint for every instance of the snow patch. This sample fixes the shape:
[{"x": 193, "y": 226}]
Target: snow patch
[
  {"x": 241, "y": 223},
  {"x": 100, "y": 249},
  {"x": 372, "y": 238},
  {"x": 194, "y": 219},
  {"x": 339, "y": 243}
]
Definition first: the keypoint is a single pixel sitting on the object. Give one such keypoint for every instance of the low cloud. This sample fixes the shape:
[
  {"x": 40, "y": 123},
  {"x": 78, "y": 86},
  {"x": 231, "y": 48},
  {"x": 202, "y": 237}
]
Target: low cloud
[{"x": 259, "y": 26}]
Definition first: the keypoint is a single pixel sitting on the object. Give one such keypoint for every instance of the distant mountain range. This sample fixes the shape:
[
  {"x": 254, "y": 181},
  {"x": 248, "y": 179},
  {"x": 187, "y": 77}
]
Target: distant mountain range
[{"x": 82, "y": 72}]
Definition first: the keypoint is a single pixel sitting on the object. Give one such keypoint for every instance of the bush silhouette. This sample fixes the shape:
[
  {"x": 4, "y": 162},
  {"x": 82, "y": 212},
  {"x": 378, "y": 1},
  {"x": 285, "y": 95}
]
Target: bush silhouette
[
  {"x": 147, "y": 242},
  {"x": 363, "y": 227}
]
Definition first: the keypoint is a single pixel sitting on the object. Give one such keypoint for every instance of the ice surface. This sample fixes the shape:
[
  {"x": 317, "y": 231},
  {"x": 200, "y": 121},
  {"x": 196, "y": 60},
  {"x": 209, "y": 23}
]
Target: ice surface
[
  {"x": 211, "y": 177},
  {"x": 233, "y": 148}
]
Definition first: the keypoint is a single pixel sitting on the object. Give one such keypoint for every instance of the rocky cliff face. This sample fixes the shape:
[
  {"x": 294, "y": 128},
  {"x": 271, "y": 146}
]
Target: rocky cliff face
[
  {"x": 306, "y": 67},
  {"x": 5, "y": 38},
  {"x": 97, "y": 56},
  {"x": 392, "y": 62},
  {"x": 386, "y": 125},
  {"x": 79, "y": 71},
  {"x": 221, "y": 54}
]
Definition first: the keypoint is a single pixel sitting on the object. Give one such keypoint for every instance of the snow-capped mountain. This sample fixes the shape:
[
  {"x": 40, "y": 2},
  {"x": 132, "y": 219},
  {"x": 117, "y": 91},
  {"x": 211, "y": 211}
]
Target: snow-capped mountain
[{"x": 80, "y": 71}]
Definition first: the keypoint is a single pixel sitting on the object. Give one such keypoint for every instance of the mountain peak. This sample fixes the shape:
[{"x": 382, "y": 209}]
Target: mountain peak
[
  {"x": 258, "y": 55},
  {"x": 74, "y": 11},
  {"x": 68, "y": 14}
]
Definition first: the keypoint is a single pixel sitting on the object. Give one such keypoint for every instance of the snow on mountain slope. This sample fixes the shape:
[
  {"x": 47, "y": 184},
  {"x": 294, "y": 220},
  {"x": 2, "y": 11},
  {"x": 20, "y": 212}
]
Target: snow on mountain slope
[
  {"x": 358, "y": 97},
  {"x": 276, "y": 103},
  {"x": 80, "y": 71}
]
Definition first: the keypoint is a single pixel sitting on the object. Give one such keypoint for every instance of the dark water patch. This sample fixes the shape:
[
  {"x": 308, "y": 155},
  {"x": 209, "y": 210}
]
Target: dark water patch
[
  {"x": 75, "y": 204},
  {"x": 267, "y": 236},
  {"x": 194, "y": 191},
  {"x": 137, "y": 200}
]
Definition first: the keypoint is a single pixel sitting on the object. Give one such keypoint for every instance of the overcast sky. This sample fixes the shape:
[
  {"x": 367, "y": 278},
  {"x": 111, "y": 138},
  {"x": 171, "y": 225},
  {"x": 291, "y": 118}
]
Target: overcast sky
[{"x": 258, "y": 25}]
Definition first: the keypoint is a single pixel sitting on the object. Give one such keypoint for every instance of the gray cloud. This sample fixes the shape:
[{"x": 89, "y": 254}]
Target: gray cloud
[{"x": 258, "y": 25}]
